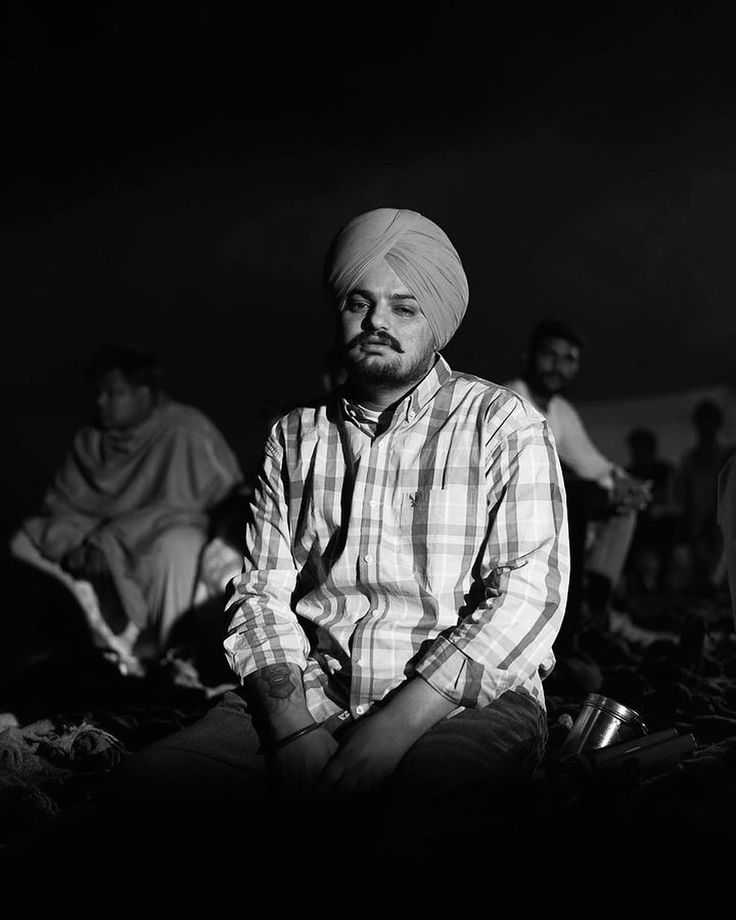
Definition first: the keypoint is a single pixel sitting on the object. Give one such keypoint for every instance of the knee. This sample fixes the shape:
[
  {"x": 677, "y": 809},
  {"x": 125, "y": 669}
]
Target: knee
[
  {"x": 149, "y": 782},
  {"x": 179, "y": 543},
  {"x": 166, "y": 782},
  {"x": 21, "y": 547}
]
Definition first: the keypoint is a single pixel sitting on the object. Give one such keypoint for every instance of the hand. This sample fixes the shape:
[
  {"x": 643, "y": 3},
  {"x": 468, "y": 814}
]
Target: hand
[
  {"x": 85, "y": 561},
  {"x": 74, "y": 562},
  {"x": 299, "y": 764},
  {"x": 630, "y": 493},
  {"x": 366, "y": 758}
]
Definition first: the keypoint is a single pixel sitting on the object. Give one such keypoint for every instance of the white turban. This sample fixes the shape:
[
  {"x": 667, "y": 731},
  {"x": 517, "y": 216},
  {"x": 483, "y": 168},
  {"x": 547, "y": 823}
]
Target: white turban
[{"x": 416, "y": 249}]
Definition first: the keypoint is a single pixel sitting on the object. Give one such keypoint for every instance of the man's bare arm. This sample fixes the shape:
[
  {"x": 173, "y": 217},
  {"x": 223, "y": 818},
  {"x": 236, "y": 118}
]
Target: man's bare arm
[
  {"x": 278, "y": 692},
  {"x": 379, "y": 741}
]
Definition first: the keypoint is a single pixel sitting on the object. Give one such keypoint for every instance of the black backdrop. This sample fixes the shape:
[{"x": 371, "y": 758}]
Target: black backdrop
[{"x": 175, "y": 177}]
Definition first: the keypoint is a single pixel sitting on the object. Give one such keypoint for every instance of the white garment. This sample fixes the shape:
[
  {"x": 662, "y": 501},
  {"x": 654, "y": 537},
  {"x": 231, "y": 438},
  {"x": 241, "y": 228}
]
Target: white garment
[
  {"x": 177, "y": 553},
  {"x": 574, "y": 446},
  {"x": 610, "y": 539},
  {"x": 102, "y": 636}
]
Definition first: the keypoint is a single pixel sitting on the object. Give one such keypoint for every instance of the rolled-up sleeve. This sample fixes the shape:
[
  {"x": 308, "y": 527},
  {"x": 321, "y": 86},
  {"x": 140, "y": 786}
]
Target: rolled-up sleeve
[
  {"x": 524, "y": 571},
  {"x": 263, "y": 629}
]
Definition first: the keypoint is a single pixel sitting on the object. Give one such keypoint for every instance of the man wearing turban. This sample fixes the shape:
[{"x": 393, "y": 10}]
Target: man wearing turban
[{"x": 404, "y": 579}]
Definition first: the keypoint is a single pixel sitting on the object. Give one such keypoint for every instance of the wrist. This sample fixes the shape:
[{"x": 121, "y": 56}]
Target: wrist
[
  {"x": 415, "y": 709},
  {"x": 284, "y": 740},
  {"x": 288, "y": 720}
]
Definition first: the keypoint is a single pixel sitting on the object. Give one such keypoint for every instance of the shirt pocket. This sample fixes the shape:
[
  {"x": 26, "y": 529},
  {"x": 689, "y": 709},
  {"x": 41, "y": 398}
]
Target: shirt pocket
[{"x": 441, "y": 529}]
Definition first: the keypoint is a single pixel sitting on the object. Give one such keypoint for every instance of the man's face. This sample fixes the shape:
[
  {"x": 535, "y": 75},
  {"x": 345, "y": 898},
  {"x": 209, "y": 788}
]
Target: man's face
[
  {"x": 554, "y": 365},
  {"x": 120, "y": 403},
  {"x": 386, "y": 337}
]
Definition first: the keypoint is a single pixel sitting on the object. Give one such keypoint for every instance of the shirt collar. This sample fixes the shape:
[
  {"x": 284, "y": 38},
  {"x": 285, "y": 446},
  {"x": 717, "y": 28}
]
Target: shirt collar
[{"x": 414, "y": 402}]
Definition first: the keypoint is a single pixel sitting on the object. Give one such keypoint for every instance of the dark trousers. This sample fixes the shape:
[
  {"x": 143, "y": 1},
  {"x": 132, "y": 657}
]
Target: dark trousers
[
  {"x": 199, "y": 809},
  {"x": 586, "y": 501}
]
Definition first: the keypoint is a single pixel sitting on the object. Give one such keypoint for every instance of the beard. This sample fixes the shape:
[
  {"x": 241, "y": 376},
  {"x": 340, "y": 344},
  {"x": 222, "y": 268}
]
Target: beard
[
  {"x": 545, "y": 384},
  {"x": 390, "y": 371},
  {"x": 550, "y": 385}
]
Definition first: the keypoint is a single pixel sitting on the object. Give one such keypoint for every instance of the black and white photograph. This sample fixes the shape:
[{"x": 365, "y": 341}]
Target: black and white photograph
[{"x": 369, "y": 480}]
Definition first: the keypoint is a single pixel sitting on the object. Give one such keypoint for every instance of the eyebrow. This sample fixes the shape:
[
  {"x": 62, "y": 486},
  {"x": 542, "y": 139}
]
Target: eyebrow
[{"x": 368, "y": 295}]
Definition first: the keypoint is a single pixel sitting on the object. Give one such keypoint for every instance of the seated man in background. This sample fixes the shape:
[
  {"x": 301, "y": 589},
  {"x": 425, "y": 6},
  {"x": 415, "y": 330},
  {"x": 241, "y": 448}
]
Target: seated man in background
[
  {"x": 125, "y": 521},
  {"x": 602, "y": 498},
  {"x": 658, "y": 525}
]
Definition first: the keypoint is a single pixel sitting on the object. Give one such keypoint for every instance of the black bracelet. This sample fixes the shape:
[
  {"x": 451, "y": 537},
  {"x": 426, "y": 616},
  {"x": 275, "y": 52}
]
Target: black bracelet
[{"x": 282, "y": 742}]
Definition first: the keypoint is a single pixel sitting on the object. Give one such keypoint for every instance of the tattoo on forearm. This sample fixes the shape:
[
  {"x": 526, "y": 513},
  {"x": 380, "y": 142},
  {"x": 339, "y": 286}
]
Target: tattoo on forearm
[
  {"x": 275, "y": 681},
  {"x": 275, "y": 688},
  {"x": 278, "y": 678}
]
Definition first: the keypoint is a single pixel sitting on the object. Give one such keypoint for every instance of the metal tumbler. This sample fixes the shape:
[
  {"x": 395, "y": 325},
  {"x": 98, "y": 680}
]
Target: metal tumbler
[{"x": 600, "y": 723}]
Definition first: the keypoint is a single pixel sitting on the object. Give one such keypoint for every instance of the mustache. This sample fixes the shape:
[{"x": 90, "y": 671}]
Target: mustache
[{"x": 380, "y": 337}]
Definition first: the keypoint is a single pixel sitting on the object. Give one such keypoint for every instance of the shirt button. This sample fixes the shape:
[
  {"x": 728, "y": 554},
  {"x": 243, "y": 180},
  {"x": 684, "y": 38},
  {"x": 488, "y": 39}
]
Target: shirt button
[
  {"x": 372, "y": 503},
  {"x": 359, "y": 710},
  {"x": 368, "y": 557}
]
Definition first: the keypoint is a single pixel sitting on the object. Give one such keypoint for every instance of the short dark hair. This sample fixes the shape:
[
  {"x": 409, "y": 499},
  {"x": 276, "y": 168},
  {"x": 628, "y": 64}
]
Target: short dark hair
[
  {"x": 707, "y": 410},
  {"x": 554, "y": 328},
  {"x": 139, "y": 365},
  {"x": 643, "y": 437}
]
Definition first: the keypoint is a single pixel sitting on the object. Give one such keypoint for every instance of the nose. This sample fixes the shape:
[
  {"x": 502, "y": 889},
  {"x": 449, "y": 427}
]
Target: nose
[
  {"x": 378, "y": 316},
  {"x": 561, "y": 364}
]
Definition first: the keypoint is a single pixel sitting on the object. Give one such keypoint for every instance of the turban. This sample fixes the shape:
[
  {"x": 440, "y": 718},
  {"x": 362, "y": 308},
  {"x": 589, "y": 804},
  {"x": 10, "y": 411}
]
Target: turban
[{"x": 416, "y": 249}]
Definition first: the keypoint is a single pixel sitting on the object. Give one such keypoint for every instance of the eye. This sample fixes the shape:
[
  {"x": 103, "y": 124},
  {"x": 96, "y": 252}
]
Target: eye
[
  {"x": 356, "y": 306},
  {"x": 404, "y": 310}
]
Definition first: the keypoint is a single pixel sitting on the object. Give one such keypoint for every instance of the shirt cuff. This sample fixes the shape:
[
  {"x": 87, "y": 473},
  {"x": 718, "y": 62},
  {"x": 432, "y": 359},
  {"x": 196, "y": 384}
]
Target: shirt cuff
[{"x": 453, "y": 675}]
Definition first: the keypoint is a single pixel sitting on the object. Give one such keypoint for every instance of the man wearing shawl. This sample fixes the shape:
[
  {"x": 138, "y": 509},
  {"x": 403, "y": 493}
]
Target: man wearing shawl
[
  {"x": 404, "y": 580},
  {"x": 124, "y": 523}
]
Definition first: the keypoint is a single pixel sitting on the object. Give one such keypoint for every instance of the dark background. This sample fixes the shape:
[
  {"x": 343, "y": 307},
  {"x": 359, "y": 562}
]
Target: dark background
[{"x": 174, "y": 176}]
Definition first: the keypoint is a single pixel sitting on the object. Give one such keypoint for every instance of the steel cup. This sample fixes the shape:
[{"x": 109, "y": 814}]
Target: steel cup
[{"x": 600, "y": 723}]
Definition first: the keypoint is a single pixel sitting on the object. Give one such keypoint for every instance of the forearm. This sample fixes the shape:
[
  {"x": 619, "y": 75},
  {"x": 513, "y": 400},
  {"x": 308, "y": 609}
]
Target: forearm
[
  {"x": 56, "y": 537},
  {"x": 278, "y": 693},
  {"x": 371, "y": 752},
  {"x": 263, "y": 630},
  {"x": 577, "y": 451},
  {"x": 507, "y": 640},
  {"x": 414, "y": 709}
]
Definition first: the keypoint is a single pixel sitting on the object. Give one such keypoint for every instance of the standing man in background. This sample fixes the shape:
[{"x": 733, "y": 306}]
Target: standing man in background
[
  {"x": 696, "y": 493},
  {"x": 726, "y": 511}
]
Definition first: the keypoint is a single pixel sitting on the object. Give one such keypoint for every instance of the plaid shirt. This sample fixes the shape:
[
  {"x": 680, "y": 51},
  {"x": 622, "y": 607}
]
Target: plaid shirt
[{"x": 438, "y": 548}]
